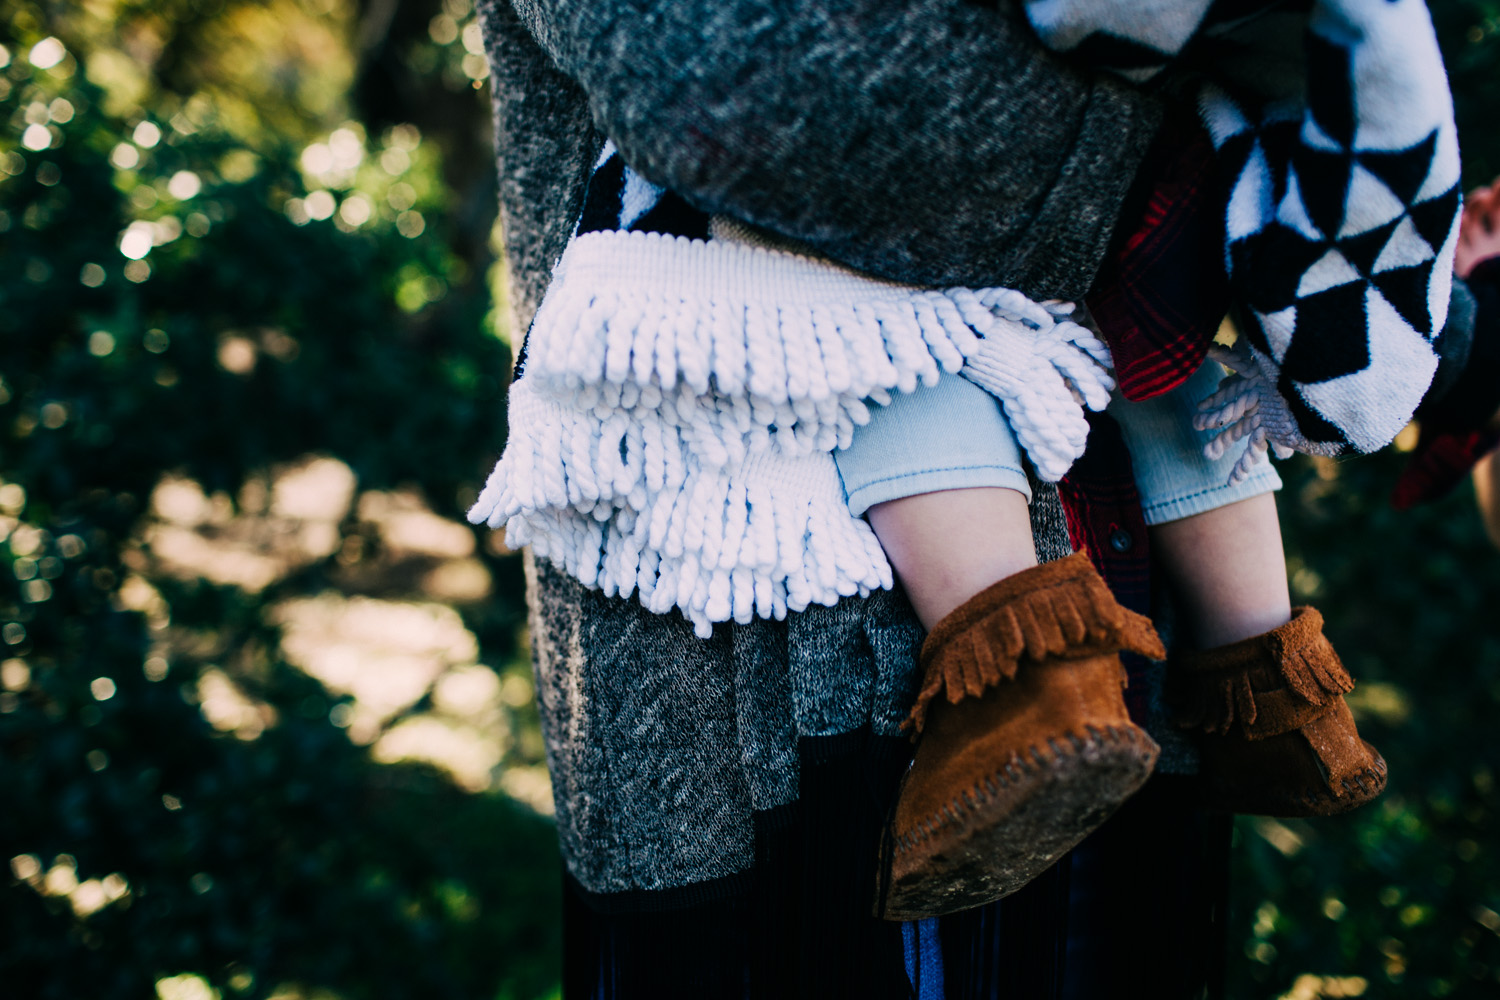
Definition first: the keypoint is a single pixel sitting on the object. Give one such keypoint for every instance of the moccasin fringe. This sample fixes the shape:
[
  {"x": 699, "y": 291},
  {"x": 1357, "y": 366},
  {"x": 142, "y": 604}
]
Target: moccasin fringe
[
  {"x": 1062, "y": 610},
  {"x": 1213, "y": 689}
]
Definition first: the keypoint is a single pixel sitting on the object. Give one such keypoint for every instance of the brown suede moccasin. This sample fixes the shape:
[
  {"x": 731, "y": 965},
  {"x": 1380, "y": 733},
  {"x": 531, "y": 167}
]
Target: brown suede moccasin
[
  {"x": 1030, "y": 746},
  {"x": 1277, "y": 738}
]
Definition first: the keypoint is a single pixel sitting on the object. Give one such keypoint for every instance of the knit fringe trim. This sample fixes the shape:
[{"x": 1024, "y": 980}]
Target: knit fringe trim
[
  {"x": 1214, "y": 689},
  {"x": 627, "y": 506},
  {"x": 1055, "y": 610},
  {"x": 750, "y": 348},
  {"x": 672, "y": 434}
]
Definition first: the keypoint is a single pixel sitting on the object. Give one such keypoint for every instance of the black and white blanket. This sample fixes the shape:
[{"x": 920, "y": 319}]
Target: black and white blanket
[{"x": 1342, "y": 214}]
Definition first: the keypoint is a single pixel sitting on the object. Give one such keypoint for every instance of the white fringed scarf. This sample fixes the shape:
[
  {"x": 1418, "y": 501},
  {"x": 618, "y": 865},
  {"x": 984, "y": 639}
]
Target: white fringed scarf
[{"x": 672, "y": 434}]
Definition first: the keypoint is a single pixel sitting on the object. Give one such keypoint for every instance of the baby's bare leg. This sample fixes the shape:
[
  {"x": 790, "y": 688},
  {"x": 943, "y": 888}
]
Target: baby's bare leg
[
  {"x": 948, "y": 546},
  {"x": 1227, "y": 571}
]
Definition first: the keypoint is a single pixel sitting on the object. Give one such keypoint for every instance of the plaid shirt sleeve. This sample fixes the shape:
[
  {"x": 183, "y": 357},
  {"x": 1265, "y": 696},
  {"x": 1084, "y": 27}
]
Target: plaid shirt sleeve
[{"x": 1163, "y": 291}]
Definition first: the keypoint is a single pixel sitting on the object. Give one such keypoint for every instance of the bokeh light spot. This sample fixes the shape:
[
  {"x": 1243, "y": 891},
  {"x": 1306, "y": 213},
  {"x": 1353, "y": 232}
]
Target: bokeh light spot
[
  {"x": 36, "y": 137},
  {"x": 92, "y": 276},
  {"x": 476, "y": 68},
  {"x": 395, "y": 161},
  {"x": 146, "y": 135},
  {"x": 237, "y": 355},
  {"x": 102, "y": 688},
  {"x": 410, "y": 224},
  {"x": 401, "y": 196},
  {"x": 12, "y": 501},
  {"x": 355, "y": 210},
  {"x": 347, "y": 147},
  {"x": 184, "y": 185},
  {"x": 47, "y": 53},
  {"x": 317, "y": 159},
  {"x": 443, "y": 30},
  {"x": 125, "y": 156},
  {"x": 136, "y": 241},
  {"x": 406, "y": 136},
  {"x": 474, "y": 39},
  {"x": 319, "y": 205},
  {"x": 296, "y": 212},
  {"x": 15, "y": 674},
  {"x": 185, "y": 987}
]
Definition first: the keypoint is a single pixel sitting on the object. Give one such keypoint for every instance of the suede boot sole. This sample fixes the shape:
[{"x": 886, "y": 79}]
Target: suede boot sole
[
  {"x": 1007, "y": 829},
  {"x": 1364, "y": 787}
]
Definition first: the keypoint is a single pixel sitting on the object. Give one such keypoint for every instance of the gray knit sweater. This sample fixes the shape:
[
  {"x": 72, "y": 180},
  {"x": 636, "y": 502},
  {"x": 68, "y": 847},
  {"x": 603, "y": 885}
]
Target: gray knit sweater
[{"x": 931, "y": 142}]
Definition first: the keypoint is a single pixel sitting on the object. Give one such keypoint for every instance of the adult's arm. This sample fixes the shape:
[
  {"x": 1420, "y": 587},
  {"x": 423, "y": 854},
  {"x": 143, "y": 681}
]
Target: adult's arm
[{"x": 930, "y": 141}]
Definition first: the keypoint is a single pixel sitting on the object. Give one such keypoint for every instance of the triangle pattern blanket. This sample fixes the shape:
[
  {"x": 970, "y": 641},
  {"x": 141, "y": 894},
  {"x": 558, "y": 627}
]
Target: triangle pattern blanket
[{"x": 1343, "y": 198}]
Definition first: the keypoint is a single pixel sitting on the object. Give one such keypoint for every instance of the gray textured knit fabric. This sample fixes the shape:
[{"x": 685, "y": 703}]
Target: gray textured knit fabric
[{"x": 930, "y": 142}]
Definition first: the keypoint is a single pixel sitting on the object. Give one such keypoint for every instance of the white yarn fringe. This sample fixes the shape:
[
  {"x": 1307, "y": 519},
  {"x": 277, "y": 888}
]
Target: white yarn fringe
[
  {"x": 627, "y": 506},
  {"x": 1247, "y": 406},
  {"x": 673, "y": 431},
  {"x": 751, "y": 347}
]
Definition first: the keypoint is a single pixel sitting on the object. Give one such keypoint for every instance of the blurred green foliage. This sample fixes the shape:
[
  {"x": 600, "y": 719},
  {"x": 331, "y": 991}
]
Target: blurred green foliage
[
  {"x": 1404, "y": 894},
  {"x": 238, "y": 232},
  {"x": 213, "y": 263},
  {"x": 1469, "y": 33},
  {"x": 1401, "y": 899}
]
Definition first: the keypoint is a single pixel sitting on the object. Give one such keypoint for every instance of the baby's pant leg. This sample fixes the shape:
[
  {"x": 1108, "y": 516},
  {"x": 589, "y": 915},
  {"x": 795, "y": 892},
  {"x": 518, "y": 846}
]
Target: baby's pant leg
[
  {"x": 949, "y": 436},
  {"x": 1174, "y": 477}
]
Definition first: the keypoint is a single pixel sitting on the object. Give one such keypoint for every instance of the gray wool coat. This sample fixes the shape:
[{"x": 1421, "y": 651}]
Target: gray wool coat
[{"x": 930, "y": 142}]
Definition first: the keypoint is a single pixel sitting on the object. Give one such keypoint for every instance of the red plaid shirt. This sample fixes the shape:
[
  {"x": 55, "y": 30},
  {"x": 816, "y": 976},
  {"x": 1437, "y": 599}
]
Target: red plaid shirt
[{"x": 1163, "y": 291}]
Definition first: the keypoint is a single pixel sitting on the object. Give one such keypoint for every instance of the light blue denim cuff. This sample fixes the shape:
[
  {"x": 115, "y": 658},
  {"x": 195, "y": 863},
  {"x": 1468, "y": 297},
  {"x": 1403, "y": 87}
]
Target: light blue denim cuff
[
  {"x": 1174, "y": 508},
  {"x": 1175, "y": 478},
  {"x": 949, "y": 436},
  {"x": 932, "y": 480}
]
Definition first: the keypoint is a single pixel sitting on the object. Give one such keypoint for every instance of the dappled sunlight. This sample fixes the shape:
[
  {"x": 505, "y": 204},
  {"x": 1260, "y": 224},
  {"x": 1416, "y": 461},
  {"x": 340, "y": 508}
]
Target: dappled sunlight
[
  {"x": 185, "y": 987},
  {"x": 228, "y": 709},
  {"x": 1310, "y": 987},
  {"x": 386, "y": 654},
  {"x": 467, "y": 753},
  {"x": 408, "y": 526},
  {"x": 248, "y": 373},
  {"x": 86, "y": 897},
  {"x": 530, "y": 784},
  {"x": 276, "y": 528}
]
